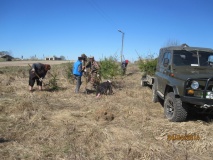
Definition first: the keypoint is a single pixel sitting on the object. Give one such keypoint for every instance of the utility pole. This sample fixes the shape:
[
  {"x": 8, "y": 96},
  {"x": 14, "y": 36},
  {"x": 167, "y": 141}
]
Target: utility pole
[{"x": 122, "y": 44}]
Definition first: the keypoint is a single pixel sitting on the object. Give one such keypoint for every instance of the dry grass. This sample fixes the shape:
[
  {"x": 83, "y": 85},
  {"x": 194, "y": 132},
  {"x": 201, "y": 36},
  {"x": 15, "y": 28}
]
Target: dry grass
[{"x": 65, "y": 125}]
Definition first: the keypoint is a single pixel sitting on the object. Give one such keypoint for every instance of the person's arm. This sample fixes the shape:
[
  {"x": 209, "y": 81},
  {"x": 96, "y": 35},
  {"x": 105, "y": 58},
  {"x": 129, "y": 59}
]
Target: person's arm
[
  {"x": 95, "y": 66},
  {"x": 80, "y": 68},
  {"x": 88, "y": 64},
  {"x": 33, "y": 67}
]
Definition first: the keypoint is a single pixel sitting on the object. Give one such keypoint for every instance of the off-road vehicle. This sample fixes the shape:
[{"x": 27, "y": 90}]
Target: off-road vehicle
[{"x": 184, "y": 81}]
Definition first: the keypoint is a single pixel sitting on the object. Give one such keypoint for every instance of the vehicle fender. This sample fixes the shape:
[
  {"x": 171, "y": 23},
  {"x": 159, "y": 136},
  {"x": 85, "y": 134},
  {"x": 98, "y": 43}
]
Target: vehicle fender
[
  {"x": 155, "y": 82},
  {"x": 172, "y": 88}
]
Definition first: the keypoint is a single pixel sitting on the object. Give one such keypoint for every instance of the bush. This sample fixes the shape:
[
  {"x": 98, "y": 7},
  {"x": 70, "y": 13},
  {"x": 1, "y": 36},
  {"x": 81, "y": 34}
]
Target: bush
[
  {"x": 53, "y": 82},
  {"x": 147, "y": 65},
  {"x": 109, "y": 68},
  {"x": 68, "y": 71}
]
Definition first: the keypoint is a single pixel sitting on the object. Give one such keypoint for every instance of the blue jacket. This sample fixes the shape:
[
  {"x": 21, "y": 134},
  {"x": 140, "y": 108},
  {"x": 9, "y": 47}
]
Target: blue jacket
[{"x": 77, "y": 68}]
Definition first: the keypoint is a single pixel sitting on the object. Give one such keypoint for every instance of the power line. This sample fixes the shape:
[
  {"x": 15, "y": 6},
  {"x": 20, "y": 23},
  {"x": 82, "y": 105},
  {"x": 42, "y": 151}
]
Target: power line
[{"x": 102, "y": 13}]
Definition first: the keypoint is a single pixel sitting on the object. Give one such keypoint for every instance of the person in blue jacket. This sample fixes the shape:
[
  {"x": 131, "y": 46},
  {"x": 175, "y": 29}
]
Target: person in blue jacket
[{"x": 77, "y": 71}]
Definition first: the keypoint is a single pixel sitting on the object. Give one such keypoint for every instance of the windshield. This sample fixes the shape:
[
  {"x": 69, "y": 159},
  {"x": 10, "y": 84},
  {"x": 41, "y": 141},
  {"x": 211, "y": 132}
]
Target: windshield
[{"x": 191, "y": 58}]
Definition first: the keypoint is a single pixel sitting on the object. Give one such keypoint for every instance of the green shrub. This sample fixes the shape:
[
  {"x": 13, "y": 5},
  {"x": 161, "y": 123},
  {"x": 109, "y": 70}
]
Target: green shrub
[
  {"x": 147, "y": 65},
  {"x": 68, "y": 71},
  {"x": 109, "y": 68},
  {"x": 53, "y": 82}
]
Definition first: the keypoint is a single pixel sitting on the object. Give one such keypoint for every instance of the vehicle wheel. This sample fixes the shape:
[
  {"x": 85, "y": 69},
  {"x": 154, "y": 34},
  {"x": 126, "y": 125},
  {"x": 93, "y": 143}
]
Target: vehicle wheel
[
  {"x": 155, "y": 97},
  {"x": 174, "y": 109},
  {"x": 143, "y": 83}
]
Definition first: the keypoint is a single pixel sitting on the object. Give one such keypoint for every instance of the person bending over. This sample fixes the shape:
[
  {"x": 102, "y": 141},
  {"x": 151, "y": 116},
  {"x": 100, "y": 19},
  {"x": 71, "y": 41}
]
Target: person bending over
[{"x": 37, "y": 72}]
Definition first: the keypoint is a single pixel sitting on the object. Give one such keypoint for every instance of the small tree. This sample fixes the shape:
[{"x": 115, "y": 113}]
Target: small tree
[
  {"x": 109, "y": 68},
  {"x": 5, "y": 53},
  {"x": 53, "y": 82},
  {"x": 69, "y": 75},
  {"x": 148, "y": 65},
  {"x": 171, "y": 42}
]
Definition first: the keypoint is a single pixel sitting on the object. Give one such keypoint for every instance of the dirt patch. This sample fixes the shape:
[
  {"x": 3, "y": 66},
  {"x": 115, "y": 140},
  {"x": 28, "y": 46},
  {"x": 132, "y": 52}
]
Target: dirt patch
[{"x": 104, "y": 115}]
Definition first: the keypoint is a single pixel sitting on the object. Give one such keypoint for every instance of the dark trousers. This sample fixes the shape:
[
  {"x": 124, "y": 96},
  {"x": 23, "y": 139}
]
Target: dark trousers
[
  {"x": 123, "y": 71},
  {"x": 78, "y": 83},
  {"x": 33, "y": 78}
]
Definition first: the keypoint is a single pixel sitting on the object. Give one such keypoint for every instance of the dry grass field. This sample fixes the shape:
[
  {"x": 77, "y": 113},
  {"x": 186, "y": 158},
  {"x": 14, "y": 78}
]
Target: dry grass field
[{"x": 62, "y": 125}]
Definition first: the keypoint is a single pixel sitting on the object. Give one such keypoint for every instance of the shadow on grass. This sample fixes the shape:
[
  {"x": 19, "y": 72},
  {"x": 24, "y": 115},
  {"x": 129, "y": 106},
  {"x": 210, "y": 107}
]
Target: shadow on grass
[
  {"x": 55, "y": 89},
  {"x": 2, "y": 140},
  {"x": 89, "y": 91}
]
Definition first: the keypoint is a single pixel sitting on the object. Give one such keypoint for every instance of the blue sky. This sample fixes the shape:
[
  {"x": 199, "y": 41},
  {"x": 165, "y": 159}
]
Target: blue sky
[{"x": 72, "y": 27}]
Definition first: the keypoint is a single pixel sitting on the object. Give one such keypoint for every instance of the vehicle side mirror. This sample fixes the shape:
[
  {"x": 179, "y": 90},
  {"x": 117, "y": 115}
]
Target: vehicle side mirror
[
  {"x": 210, "y": 60},
  {"x": 165, "y": 62}
]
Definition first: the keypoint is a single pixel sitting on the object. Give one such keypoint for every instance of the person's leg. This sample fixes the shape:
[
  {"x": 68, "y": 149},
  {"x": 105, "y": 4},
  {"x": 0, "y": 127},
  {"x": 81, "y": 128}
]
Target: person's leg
[
  {"x": 98, "y": 95},
  {"x": 39, "y": 84},
  {"x": 40, "y": 88},
  {"x": 78, "y": 84},
  {"x": 30, "y": 88},
  {"x": 31, "y": 83},
  {"x": 124, "y": 71},
  {"x": 88, "y": 83},
  {"x": 94, "y": 80}
]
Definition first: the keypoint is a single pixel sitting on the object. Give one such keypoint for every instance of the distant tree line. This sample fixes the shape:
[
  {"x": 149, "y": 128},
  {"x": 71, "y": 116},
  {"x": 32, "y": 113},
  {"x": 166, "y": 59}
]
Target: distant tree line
[{"x": 5, "y": 53}]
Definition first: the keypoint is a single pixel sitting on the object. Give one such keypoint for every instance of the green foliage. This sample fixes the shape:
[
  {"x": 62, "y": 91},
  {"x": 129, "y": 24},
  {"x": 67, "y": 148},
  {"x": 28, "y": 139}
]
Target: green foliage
[
  {"x": 53, "y": 82},
  {"x": 68, "y": 71},
  {"x": 147, "y": 65},
  {"x": 109, "y": 68},
  {"x": 69, "y": 67}
]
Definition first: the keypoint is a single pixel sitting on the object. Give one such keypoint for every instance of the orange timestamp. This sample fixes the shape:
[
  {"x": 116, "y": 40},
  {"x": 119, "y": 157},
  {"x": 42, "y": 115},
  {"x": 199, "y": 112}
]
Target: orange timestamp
[{"x": 184, "y": 137}]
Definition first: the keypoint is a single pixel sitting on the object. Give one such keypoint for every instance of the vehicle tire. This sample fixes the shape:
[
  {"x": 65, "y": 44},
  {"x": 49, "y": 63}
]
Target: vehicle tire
[
  {"x": 143, "y": 83},
  {"x": 174, "y": 109},
  {"x": 155, "y": 97}
]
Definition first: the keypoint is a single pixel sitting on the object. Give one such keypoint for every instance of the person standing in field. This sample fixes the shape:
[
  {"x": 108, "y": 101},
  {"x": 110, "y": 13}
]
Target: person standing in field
[
  {"x": 94, "y": 69},
  {"x": 78, "y": 69},
  {"x": 37, "y": 72},
  {"x": 87, "y": 71},
  {"x": 124, "y": 66}
]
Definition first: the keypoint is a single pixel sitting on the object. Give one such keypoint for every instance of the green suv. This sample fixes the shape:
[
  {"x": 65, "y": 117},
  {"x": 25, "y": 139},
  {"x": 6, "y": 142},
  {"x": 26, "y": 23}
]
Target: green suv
[{"x": 184, "y": 80}]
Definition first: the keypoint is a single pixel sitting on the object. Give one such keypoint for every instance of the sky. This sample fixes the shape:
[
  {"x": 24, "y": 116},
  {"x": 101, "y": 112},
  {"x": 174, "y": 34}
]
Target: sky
[{"x": 69, "y": 28}]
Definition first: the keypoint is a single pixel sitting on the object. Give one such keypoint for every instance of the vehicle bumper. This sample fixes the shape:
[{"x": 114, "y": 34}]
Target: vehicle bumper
[{"x": 202, "y": 102}]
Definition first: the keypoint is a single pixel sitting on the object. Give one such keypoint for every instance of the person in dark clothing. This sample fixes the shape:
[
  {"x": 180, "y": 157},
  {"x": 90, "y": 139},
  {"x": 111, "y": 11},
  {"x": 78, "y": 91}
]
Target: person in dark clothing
[
  {"x": 124, "y": 66},
  {"x": 37, "y": 72},
  {"x": 78, "y": 69}
]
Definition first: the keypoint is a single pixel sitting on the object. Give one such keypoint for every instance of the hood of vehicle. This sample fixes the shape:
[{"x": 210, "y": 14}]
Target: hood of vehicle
[{"x": 193, "y": 72}]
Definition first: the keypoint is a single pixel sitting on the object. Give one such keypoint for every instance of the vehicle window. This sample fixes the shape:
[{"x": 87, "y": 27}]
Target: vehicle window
[
  {"x": 185, "y": 58},
  {"x": 191, "y": 58},
  {"x": 205, "y": 58},
  {"x": 166, "y": 55},
  {"x": 179, "y": 59}
]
